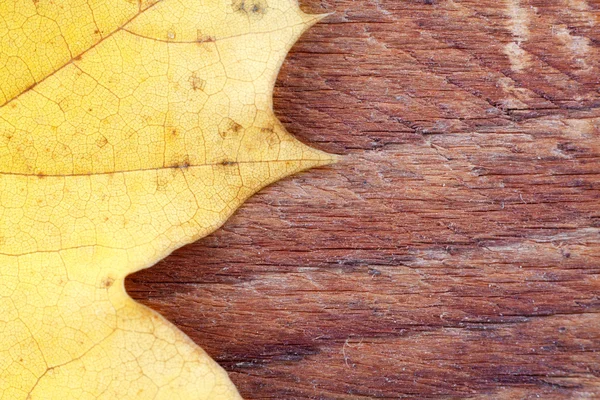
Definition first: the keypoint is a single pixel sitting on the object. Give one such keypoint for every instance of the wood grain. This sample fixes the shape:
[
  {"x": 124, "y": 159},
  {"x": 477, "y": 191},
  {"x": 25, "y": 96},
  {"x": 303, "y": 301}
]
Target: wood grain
[{"x": 455, "y": 250}]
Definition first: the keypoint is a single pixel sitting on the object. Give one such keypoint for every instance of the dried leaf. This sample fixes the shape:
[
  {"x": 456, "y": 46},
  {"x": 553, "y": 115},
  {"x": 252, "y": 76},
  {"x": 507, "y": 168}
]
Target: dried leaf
[{"x": 127, "y": 130}]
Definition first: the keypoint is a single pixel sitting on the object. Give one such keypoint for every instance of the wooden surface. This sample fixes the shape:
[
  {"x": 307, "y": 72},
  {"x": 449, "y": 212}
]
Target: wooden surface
[{"x": 455, "y": 251}]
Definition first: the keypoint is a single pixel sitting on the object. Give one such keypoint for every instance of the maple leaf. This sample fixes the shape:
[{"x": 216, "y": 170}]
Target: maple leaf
[{"x": 127, "y": 129}]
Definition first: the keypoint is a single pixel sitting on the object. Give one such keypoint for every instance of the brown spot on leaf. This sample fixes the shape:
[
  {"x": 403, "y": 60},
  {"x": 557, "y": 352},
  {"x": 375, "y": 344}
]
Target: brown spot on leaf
[
  {"x": 234, "y": 127},
  {"x": 270, "y": 135},
  {"x": 250, "y": 7},
  {"x": 230, "y": 128},
  {"x": 202, "y": 38},
  {"x": 108, "y": 282},
  {"x": 268, "y": 129},
  {"x": 196, "y": 82},
  {"x": 182, "y": 163},
  {"x": 101, "y": 141}
]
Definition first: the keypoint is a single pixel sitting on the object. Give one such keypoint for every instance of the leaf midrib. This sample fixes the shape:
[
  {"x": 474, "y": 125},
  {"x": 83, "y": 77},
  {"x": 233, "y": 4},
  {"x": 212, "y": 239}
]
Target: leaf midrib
[{"x": 230, "y": 164}]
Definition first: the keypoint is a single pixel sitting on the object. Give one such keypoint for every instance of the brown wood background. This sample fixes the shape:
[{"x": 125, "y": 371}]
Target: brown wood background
[{"x": 455, "y": 251}]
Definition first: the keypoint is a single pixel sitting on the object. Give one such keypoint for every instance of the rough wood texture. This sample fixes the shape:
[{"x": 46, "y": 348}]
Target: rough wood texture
[{"x": 455, "y": 250}]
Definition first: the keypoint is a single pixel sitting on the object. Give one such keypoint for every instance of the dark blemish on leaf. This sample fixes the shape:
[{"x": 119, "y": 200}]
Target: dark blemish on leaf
[
  {"x": 271, "y": 136},
  {"x": 183, "y": 164},
  {"x": 196, "y": 82},
  {"x": 28, "y": 88},
  {"x": 250, "y": 7},
  {"x": 41, "y": 175},
  {"x": 230, "y": 128},
  {"x": 267, "y": 130},
  {"x": 107, "y": 282},
  {"x": 234, "y": 127},
  {"x": 227, "y": 163},
  {"x": 77, "y": 58},
  {"x": 202, "y": 38},
  {"x": 101, "y": 141}
]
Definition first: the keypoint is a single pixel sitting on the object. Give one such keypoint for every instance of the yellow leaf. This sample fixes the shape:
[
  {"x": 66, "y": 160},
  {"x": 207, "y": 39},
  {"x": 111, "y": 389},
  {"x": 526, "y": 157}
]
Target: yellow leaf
[{"x": 127, "y": 129}]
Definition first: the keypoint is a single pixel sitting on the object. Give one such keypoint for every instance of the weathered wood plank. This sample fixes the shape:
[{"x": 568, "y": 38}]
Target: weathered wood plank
[{"x": 455, "y": 250}]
